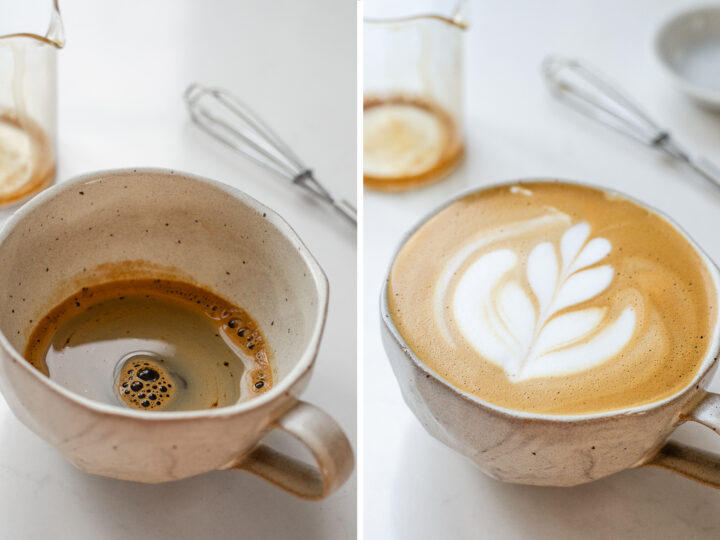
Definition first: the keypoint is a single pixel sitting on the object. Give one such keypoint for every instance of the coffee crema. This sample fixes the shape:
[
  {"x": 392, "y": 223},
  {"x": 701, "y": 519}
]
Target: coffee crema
[
  {"x": 407, "y": 142},
  {"x": 554, "y": 298},
  {"x": 152, "y": 344}
]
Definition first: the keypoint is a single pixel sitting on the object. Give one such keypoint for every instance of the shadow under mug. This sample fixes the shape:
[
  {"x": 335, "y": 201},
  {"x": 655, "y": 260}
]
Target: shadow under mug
[
  {"x": 555, "y": 450},
  {"x": 164, "y": 224}
]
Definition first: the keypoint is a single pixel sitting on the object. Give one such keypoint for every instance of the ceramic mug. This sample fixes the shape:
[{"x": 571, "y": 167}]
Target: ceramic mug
[
  {"x": 557, "y": 450},
  {"x": 164, "y": 224}
]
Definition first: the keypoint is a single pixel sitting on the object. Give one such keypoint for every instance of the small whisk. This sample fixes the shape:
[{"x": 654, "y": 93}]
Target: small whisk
[
  {"x": 594, "y": 96},
  {"x": 228, "y": 120}
]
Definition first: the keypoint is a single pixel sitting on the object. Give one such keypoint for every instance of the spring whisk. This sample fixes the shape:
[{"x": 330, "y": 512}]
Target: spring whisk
[
  {"x": 591, "y": 94},
  {"x": 230, "y": 121}
]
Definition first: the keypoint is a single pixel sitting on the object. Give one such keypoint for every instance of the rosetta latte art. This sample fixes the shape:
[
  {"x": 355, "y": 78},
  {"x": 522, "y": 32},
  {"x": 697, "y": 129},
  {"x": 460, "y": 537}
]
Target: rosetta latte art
[
  {"x": 555, "y": 298},
  {"x": 542, "y": 336}
]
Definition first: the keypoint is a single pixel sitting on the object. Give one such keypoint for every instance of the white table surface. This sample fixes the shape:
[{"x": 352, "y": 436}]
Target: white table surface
[
  {"x": 121, "y": 79},
  {"x": 415, "y": 487}
]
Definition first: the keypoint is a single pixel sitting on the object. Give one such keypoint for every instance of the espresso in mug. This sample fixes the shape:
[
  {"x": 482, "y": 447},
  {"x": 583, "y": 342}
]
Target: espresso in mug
[
  {"x": 554, "y": 298},
  {"x": 152, "y": 344}
]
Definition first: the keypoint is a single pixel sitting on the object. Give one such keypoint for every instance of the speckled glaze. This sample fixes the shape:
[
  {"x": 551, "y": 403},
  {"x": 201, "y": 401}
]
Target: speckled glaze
[
  {"x": 557, "y": 450},
  {"x": 173, "y": 225}
]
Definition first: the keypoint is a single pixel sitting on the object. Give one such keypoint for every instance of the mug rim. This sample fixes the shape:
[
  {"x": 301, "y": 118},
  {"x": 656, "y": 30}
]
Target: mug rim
[
  {"x": 707, "y": 364},
  {"x": 304, "y": 364}
]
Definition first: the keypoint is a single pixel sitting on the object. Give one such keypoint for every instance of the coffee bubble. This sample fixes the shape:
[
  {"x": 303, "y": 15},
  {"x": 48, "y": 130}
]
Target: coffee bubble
[{"x": 143, "y": 372}]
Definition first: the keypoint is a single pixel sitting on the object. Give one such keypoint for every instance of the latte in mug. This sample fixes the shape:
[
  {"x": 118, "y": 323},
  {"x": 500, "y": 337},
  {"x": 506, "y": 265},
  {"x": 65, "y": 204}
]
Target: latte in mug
[{"x": 554, "y": 298}]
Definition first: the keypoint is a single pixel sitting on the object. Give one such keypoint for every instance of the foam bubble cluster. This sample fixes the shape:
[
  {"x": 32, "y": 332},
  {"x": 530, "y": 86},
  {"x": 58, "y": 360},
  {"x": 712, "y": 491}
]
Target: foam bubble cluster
[{"x": 144, "y": 384}]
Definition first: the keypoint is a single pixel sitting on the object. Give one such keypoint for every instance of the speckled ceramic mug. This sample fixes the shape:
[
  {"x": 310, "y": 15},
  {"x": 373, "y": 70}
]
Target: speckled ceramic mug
[
  {"x": 171, "y": 225},
  {"x": 556, "y": 450}
]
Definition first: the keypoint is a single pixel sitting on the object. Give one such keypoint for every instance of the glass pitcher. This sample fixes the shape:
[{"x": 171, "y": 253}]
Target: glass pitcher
[
  {"x": 412, "y": 95},
  {"x": 31, "y": 32}
]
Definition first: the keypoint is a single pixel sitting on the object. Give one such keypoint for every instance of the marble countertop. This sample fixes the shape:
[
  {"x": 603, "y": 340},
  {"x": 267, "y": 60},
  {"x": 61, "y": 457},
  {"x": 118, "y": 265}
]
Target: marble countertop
[
  {"x": 121, "y": 79},
  {"x": 414, "y": 486}
]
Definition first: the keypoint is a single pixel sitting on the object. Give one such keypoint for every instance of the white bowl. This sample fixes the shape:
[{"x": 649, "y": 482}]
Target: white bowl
[{"x": 688, "y": 46}]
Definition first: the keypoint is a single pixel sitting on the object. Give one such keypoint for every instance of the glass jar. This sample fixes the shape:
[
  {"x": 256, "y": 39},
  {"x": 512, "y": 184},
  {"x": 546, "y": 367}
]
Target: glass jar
[
  {"x": 31, "y": 32},
  {"x": 412, "y": 96}
]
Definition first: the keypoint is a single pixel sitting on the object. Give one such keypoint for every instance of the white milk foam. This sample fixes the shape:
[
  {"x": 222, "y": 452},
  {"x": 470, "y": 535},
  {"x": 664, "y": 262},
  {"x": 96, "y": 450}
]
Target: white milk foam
[{"x": 527, "y": 336}]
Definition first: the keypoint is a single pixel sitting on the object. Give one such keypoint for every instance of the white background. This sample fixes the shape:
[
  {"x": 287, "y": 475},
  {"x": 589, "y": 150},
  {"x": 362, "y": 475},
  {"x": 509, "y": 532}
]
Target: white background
[
  {"x": 414, "y": 486},
  {"x": 121, "y": 79}
]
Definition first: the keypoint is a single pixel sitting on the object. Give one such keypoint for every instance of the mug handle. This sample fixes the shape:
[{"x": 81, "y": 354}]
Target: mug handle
[
  {"x": 692, "y": 462},
  {"x": 315, "y": 429}
]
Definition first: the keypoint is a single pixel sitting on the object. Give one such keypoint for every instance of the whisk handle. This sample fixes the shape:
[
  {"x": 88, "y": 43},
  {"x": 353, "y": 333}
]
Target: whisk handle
[
  {"x": 706, "y": 169},
  {"x": 701, "y": 165},
  {"x": 346, "y": 210}
]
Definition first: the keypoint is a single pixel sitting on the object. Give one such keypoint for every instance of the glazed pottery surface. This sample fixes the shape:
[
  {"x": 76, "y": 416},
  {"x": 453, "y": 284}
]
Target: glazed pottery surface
[{"x": 158, "y": 223}]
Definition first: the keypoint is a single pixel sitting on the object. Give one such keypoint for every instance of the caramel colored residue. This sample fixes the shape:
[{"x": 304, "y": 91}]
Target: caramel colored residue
[
  {"x": 407, "y": 142},
  {"x": 27, "y": 161}
]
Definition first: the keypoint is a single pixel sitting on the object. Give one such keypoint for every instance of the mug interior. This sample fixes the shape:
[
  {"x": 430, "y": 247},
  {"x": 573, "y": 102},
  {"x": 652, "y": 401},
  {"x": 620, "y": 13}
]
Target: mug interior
[
  {"x": 708, "y": 363},
  {"x": 162, "y": 224}
]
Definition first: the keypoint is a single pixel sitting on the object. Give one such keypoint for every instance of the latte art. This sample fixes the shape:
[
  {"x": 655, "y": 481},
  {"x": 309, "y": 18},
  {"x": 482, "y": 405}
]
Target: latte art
[
  {"x": 554, "y": 298},
  {"x": 527, "y": 336}
]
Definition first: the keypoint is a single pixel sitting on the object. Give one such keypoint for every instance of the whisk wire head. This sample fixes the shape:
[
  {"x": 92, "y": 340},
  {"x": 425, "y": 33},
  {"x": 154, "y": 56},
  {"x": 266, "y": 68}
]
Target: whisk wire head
[
  {"x": 241, "y": 130},
  {"x": 594, "y": 96},
  {"x": 227, "y": 119}
]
